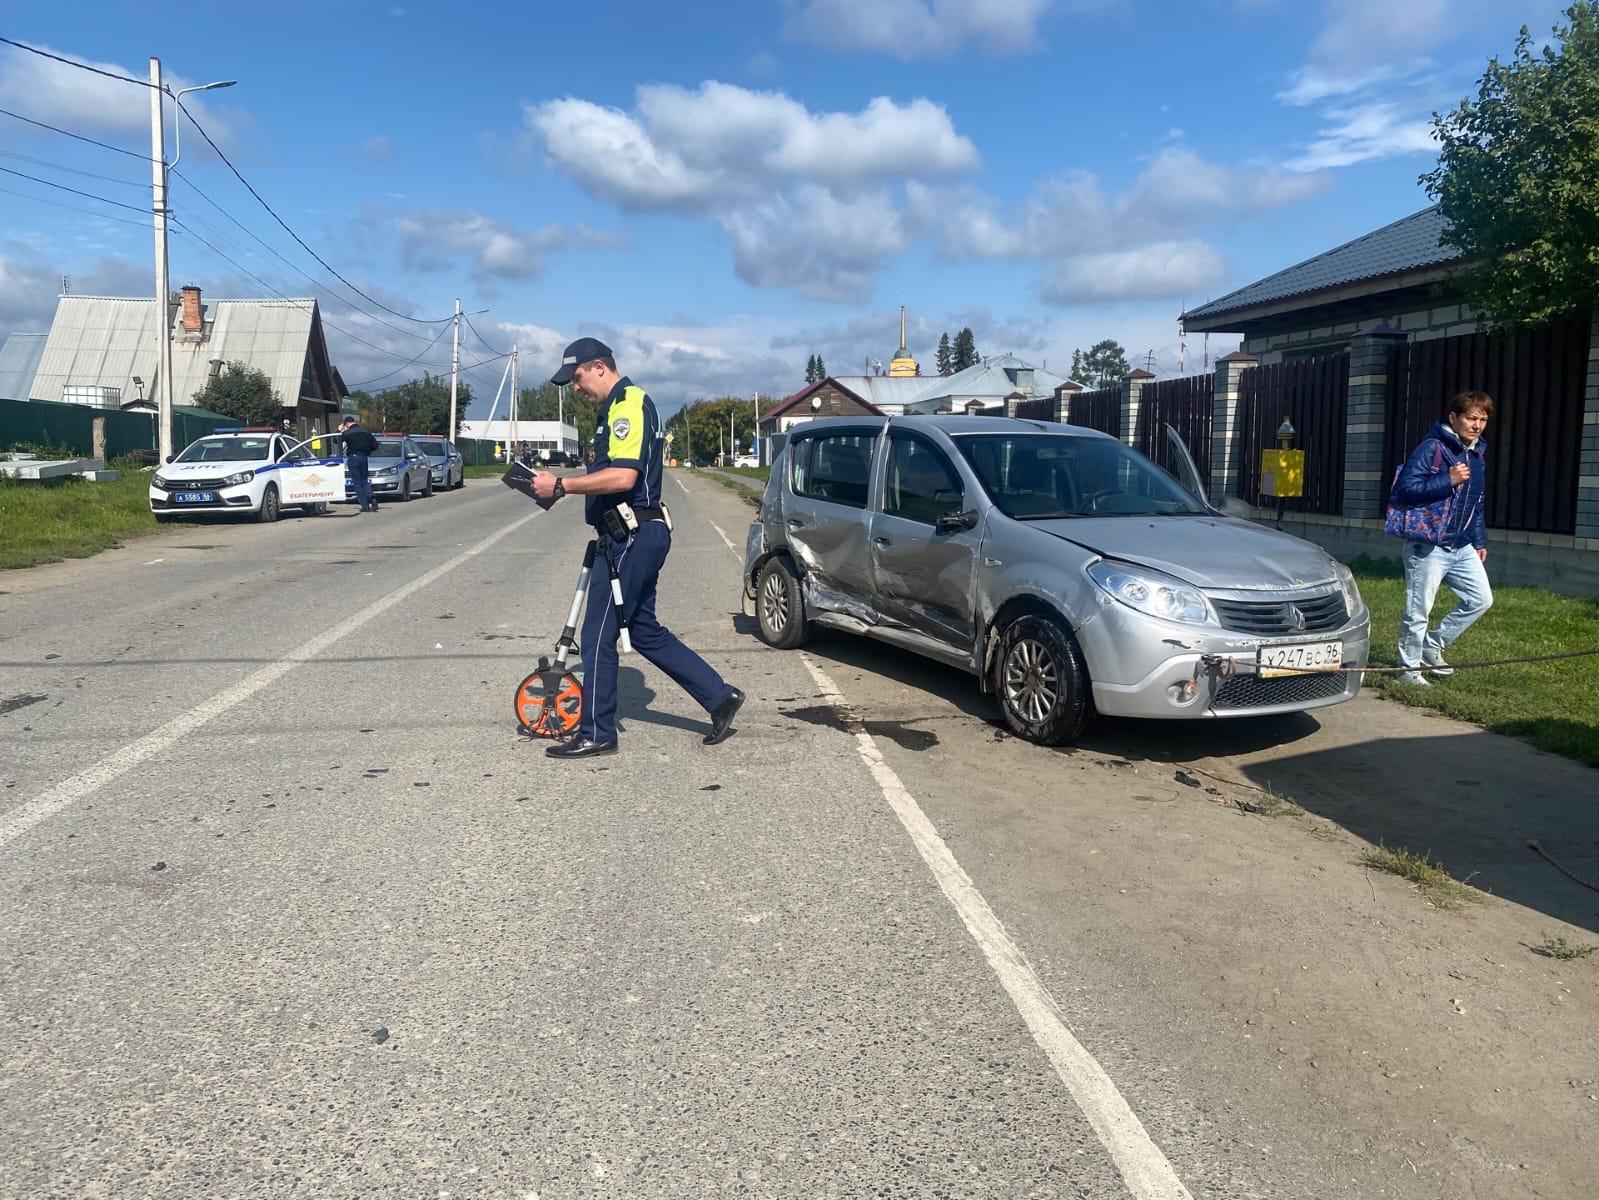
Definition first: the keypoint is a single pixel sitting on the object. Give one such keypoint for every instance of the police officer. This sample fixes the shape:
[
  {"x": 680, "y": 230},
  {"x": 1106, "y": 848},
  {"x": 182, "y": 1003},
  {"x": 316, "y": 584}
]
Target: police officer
[
  {"x": 626, "y": 470},
  {"x": 357, "y": 443}
]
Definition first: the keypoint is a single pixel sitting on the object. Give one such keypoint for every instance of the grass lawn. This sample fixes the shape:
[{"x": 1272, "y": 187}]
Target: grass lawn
[
  {"x": 1552, "y": 705},
  {"x": 485, "y": 471},
  {"x": 71, "y": 518}
]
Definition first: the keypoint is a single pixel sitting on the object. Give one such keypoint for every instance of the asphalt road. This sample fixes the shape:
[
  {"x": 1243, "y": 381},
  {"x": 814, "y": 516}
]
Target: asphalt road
[{"x": 287, "y": 908}]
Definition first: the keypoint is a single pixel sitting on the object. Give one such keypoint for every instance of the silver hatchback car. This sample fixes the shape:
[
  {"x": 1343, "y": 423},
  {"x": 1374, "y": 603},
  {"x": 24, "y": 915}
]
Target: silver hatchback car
[{"x": 1066, "y": 571}]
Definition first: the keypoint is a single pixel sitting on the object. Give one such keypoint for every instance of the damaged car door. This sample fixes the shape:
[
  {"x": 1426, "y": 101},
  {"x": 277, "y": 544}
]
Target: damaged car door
[
  {"x": 925, "y": 541},
  {"x": 827, "y": 519}
]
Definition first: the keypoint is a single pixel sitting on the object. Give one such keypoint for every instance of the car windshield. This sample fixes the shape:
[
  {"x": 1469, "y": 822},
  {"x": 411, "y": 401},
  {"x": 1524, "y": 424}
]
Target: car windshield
[
  {"x": 432, "y": 448},
  {"x": 388, "y": 448},
  {"x": 1035, "y": 477},
  {"x": 228, "y": 449}
]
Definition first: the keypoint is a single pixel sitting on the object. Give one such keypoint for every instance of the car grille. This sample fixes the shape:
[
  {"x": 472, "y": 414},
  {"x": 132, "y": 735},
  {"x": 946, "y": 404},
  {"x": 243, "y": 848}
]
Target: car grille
[
  {"x": 1315, "y": 614},
  {"x": 195, "y": 485},
  {"x": 1251, "y": 691}
]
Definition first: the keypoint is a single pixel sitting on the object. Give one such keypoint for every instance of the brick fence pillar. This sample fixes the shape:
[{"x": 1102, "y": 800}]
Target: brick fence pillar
[
  {"x": 1132, "y": 398},
  {"x": 1588, "y": 466},
  {"x": 1371, "y": 354},
  {"x": 1063, "y": 400},
  {"x": 1224, "y": 424}
]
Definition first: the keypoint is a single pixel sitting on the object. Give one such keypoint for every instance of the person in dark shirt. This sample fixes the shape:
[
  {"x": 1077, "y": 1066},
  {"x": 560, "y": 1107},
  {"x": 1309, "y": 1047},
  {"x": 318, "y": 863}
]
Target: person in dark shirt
[{"x": 357, "y": 444}]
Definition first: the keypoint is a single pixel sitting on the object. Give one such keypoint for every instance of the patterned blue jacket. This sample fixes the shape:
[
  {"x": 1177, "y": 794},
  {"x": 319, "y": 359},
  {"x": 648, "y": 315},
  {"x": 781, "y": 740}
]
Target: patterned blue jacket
[{"x": 1424, "y": 482}]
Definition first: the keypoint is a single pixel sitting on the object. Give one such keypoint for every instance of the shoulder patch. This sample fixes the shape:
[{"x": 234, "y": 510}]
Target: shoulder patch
[{"x": 620, "y": 428}]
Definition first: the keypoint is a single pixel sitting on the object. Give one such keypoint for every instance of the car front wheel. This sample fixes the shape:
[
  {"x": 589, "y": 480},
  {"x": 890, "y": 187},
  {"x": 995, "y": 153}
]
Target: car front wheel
[
  {"x": 1041, "y": 682},
  {"x": 268, "y": 512},
  {"x": 427, "y": 488},
  {"x": 780, "y": 606}
]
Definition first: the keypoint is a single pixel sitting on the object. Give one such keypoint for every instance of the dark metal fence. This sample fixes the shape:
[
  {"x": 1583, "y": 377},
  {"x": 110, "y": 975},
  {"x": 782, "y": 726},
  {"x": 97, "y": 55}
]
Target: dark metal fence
[
  {"x": 1536, "y": 379},
  {"x": 1186, "y": 405},
  {"x": 1040, "y": 408},
  {"x": 1101, "y": 410},
  {"x": 1313, "y": 393},
  {"x": 70, "y": 427}
]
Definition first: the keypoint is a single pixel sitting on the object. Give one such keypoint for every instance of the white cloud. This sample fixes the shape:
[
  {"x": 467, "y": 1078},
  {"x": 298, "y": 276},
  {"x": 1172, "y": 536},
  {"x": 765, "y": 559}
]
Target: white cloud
[
  {"x": 1177, "y": 193},
  {"x": 699, "y": 150},
  {"x": 1154, "y": 271},
  {"x": 378, "y": 148},
  {"x": 1363, "y": 132},
  {"x": 29, "y": 289},
  {"x": 1313, "y": 82},
  {"x": 805, "y": 198},
  {"x": 436, "y": 239},
  {"x": 82, "y": 101},
  {"x": 908, "y": 29}
]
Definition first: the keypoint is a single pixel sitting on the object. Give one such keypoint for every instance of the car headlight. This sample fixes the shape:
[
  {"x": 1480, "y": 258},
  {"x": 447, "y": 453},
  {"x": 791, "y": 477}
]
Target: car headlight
[
  {"x": 237, "y": 478},
  {"x": 158, "y": 483},
  {"x": 1152, "y": 593},
  {"x": 1353, "y": 604},
  {"x": 383, "y": 471}
]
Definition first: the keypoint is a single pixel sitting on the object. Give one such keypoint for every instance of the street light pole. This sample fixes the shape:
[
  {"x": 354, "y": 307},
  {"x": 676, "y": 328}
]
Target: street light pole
[
  {"x": 158, "y": 205},
  {"x": 455, "y": 367}
]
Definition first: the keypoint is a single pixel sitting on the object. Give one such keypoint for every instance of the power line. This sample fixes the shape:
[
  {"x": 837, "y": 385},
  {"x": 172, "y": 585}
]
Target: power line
[
  {"x": 489, "y": 345},
  {"x": 74, "y": 208},
  {"x": 55, "y": 166},
  {"x": 71, "y": 62},
  {"x": 80, "y": 137},
  {"x": 379, "y": 379},
  {"x": 270, "y": 249},
  {"x": 74, "y": 191},
  {"x": 303, "y": 245}
]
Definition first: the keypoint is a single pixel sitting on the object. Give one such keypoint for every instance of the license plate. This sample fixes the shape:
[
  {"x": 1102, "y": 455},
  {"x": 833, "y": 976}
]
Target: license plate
[
  {"x": 195, "y": 497},
  {"x": 1276, "y": 661}
]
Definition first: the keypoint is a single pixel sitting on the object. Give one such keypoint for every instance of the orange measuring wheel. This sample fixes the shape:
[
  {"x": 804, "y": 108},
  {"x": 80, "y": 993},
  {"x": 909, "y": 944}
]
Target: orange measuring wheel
[{"x": 543, "y": 710}]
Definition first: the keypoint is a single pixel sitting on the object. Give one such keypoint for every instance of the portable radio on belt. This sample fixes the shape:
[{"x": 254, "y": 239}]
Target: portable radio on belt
[{"x": 622, "y": 521}]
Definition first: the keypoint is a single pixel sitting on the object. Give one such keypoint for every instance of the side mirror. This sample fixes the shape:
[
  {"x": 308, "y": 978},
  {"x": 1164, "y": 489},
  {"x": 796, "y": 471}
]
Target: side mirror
[
  {"x": 954, "y": 522},
  {"x": 1232, "y": 506},
  {"x": 168, "y": 458}
]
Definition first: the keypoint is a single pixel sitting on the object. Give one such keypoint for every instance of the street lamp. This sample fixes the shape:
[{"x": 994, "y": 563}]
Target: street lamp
[
  {"x": 178, "y": 122},
  {"x": 159, "y": 169}
]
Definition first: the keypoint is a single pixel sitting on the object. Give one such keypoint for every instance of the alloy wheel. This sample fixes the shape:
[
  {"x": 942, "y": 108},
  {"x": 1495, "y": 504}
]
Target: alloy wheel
[
  {"x": 774, "y": 603},
  {"x": 1032, "y": 682}
]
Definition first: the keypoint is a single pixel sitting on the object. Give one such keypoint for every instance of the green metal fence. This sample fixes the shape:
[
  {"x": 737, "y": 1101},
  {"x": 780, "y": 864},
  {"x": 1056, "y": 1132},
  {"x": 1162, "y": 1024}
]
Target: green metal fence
[{"x": 70, "y": 427}]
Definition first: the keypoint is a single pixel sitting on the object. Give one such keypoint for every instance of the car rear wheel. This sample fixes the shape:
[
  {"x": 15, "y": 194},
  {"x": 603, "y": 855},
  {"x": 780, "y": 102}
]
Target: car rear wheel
[
  {"x": 780, "y": 606},
  {"x": 1041, "y": 682},
  {"x": 269, "y": 511}
]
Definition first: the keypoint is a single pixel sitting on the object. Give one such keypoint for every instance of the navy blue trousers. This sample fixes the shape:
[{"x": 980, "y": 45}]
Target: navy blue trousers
[
  {"x": 639, "y": 561},
  {"x": 360, "y": 482}
]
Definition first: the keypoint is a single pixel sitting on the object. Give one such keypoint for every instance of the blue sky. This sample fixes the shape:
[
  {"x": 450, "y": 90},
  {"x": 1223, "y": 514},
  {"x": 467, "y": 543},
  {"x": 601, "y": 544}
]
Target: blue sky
[{"x": 721, "y": 198}]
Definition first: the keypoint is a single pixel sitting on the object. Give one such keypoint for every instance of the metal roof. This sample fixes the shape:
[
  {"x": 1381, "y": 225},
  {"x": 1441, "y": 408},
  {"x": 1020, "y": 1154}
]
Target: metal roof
[
  {"x": 106, "y": 341},
  {"x": 1406, "y": 245},
  {"x": 19, "y": 360},
  {"x": 888, "y": 392},
  {"x": 992, "y": 379}
]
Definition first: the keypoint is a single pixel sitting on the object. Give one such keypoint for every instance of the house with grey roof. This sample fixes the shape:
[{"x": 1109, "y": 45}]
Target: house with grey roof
[
  {"x": 992, "y": 386},
  {"x": 102, "y": 351},
  {"x": 1403, "y": 275},
  {"x": 19, "y": 359}
]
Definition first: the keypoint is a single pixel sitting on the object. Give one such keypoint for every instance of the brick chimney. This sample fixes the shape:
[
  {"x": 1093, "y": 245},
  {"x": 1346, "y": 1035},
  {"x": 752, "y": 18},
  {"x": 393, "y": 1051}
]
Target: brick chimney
[{"x": 193, "y": 313}]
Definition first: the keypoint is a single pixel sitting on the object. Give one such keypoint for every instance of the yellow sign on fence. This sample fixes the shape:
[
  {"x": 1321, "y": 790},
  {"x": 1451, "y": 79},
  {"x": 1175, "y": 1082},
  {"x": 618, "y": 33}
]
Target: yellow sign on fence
[{"x": 1282, "y": 473}]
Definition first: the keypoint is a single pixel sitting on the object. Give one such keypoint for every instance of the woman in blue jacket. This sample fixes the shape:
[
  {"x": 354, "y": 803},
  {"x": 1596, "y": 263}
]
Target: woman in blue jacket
[{"x": 1444, "y": 483}]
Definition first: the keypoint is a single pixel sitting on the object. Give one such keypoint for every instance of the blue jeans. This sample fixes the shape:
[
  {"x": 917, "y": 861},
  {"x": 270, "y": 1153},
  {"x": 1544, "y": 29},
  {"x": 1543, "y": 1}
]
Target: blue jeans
[
  {"x": 355, "y": 466},
  {"x": 639, "y": 561},
  {"x": 1426, "y": 567}
]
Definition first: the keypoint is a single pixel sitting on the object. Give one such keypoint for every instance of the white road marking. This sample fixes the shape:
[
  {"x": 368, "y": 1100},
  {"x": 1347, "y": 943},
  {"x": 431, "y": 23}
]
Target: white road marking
[
  {"x": 152, "y": 562},
  {"x": 67, "y": 793},
  {"x": 725, "y": 539},
  {"x": 1146, "y": 1171},
  {"x": 679, "y": 483}
]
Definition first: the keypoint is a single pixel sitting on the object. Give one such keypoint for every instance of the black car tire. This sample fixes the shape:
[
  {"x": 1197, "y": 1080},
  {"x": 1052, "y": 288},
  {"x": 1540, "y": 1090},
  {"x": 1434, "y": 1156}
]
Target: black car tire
[
  {"x": 427, "y": 489},
  {"x": 461, "y": 482},
  {"x": 269, "y": 510},
  {"x": 405, "y": 490},
  {"x": 780, "y": 606},
  {"x": 1041, "y": 682}
]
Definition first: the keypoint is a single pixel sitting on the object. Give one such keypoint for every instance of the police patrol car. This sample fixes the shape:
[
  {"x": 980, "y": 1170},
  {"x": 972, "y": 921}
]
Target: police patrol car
[{"x": 254, "y": 471}]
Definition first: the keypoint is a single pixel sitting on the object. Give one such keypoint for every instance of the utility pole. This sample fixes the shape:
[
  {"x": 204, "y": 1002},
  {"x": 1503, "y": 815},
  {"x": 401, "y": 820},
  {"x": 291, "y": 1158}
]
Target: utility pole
[
  {"x": 510, "y": 442},
  {"x": 759, "y": 449},
  {"x": 732, "y": 441},
  {"x": 455, "y": 365},
  {"x": 163, "y": 323}
]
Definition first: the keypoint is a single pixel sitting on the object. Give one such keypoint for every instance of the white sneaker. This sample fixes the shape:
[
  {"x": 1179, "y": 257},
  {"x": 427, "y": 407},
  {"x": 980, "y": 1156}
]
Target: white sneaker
[
  {"x": 1432, "y": 657},
  {"x": 1414, "y": 677}
]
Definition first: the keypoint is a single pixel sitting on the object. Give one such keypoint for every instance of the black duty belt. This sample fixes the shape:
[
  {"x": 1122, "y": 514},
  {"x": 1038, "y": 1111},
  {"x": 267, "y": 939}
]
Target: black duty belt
[{"x": 649, "y": 514}]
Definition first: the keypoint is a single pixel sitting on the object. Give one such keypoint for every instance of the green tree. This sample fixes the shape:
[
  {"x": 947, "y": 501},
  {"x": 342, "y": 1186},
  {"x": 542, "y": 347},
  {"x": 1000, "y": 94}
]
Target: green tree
[
  {"x": 544, "y": 403},
  {"x": 821, "y": 369},
  {"x": 700, "y": 429},
  {"x": 965, "y": 350},
  {"x": 1101, "y": 365},
  {"x": 417, "y": 406},
  {"x": 1518, "y": 177},
  {"x": 810, "y": 369},
  {"x": 242, "y": 392},
  {"x": 946, "y": 356}
]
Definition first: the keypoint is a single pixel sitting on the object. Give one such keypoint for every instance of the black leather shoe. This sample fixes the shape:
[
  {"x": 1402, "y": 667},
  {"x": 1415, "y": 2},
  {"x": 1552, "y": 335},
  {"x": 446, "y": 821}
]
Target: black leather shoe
[
  {"x": 579, "y": 746},
  {"x": 722, "y": 718}
]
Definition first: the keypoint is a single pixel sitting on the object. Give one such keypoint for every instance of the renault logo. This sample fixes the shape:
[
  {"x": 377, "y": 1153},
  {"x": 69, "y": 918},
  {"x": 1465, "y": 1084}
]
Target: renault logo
[{"x": 1295, "y": 617}]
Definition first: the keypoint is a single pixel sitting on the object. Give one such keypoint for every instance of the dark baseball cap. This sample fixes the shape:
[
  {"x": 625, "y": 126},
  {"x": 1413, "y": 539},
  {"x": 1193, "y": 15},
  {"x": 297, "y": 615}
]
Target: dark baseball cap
[
  {"x": 347, "y": 421},
  {"x": 581, "y": 351}
]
